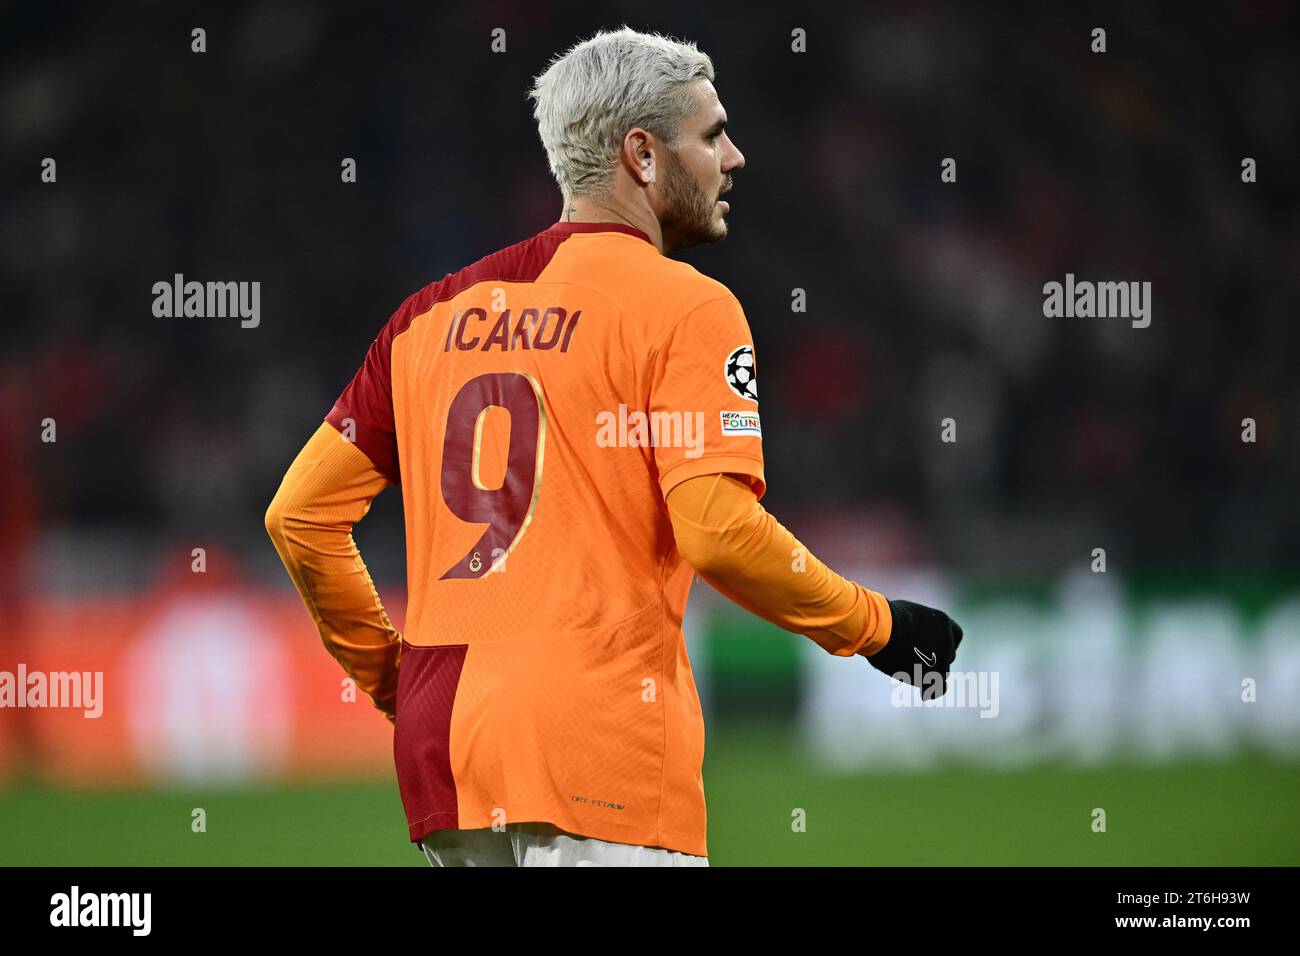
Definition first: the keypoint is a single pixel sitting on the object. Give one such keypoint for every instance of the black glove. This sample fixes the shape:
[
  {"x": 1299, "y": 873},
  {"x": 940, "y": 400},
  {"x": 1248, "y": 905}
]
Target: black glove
[{"x": 923, "y": 643}]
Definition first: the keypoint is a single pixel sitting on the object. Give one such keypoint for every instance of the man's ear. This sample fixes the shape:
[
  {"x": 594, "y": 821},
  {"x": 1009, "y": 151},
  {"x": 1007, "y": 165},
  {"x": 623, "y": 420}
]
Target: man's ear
[{"x": 639, "y": 155}]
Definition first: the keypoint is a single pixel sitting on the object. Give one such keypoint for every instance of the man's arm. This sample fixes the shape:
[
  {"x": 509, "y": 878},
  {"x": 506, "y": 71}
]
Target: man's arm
[
  {"x": 746, "y": 554},
  {"x": 328, "y": 489}
]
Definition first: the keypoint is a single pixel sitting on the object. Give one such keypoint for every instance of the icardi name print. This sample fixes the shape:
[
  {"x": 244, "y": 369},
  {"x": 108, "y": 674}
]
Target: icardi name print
[{"x": 545, "y": 328}]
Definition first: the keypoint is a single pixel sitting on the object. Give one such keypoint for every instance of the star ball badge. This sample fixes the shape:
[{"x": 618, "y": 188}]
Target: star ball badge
[{"x": 740, "y": 373}]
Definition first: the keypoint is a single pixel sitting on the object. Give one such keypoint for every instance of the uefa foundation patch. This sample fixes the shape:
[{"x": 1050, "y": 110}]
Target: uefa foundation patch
[{"x": 741, "y": 423}]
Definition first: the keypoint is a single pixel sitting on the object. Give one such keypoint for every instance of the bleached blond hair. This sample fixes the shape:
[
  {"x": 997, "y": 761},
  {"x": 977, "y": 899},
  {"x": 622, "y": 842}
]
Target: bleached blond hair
[{"x": 589, "y": 97}]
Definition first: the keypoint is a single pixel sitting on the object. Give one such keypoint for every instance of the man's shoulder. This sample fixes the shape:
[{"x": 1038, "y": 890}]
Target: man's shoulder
[
  {"x": 658, "y": 284},
  {"x": 522, "y": 261},
  {"x": 666, "y": 290},
  {"x": 695, "y": 285}
]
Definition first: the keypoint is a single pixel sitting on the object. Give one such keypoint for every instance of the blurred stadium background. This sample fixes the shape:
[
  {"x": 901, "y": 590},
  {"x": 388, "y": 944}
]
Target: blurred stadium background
[{"x": 1120, "y": 690}]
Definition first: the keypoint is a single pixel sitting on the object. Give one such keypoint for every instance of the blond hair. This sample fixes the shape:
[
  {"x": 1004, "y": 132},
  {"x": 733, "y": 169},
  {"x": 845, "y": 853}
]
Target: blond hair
[{"x": 588, "y": 98}]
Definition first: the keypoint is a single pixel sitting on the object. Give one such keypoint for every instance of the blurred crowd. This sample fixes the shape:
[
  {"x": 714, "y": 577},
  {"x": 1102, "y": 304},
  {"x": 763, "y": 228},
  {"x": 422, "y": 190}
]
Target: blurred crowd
[{"x": 924, "y": 298}]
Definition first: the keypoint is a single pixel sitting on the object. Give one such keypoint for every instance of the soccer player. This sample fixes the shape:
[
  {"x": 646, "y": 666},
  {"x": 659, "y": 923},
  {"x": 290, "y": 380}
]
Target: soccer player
[{"x": 574, "y": 424}]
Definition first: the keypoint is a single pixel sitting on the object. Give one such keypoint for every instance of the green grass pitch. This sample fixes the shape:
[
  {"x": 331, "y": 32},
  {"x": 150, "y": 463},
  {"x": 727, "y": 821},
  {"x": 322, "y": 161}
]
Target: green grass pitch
[{"x": 1238, "y": 813}]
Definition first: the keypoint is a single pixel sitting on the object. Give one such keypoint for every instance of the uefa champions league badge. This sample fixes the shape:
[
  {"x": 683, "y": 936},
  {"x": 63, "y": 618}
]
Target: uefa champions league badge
[{"x": 740, "y": 374}]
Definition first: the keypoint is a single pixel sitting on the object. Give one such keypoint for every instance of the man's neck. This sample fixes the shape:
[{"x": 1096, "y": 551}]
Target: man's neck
[{"x": 586, "y": 210}]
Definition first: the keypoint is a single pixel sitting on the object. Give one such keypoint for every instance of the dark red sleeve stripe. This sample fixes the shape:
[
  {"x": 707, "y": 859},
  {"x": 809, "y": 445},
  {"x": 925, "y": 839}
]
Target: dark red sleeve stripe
[{"x": 426, "y": 694}]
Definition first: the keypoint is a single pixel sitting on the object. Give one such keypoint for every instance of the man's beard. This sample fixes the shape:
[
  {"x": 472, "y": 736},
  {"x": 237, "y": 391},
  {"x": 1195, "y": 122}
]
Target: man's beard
[{"x": 688, "y": 219}]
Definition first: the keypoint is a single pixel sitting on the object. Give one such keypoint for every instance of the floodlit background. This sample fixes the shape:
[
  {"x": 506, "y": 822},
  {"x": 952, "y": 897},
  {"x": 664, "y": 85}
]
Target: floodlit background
[{"x": 1164, "y": 690}]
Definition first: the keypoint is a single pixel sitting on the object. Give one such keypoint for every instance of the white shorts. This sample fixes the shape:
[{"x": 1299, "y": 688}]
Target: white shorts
[{"x": 541, "y": 844}]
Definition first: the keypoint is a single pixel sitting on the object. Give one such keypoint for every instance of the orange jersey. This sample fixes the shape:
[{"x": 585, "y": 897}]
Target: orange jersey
[{"x": 536, "y": 407}]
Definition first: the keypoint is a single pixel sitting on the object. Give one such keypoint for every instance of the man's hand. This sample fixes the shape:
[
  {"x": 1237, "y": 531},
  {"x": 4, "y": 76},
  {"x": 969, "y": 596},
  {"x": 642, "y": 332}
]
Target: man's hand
[{"x": 921, "y": 648}]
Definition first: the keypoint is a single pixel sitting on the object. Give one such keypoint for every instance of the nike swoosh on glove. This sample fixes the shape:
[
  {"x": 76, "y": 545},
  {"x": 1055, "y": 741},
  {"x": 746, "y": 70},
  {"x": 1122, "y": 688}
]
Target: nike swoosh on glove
[{"x": 921, "y": 648}]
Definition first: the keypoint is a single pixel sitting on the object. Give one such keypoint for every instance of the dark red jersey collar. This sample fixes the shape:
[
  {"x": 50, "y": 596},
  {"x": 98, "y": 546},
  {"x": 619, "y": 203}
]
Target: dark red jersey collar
[{"x": 569, "y": 228}]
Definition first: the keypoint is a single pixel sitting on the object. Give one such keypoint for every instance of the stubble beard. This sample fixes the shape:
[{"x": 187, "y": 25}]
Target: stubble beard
[{"x": 689, "y": 217}]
